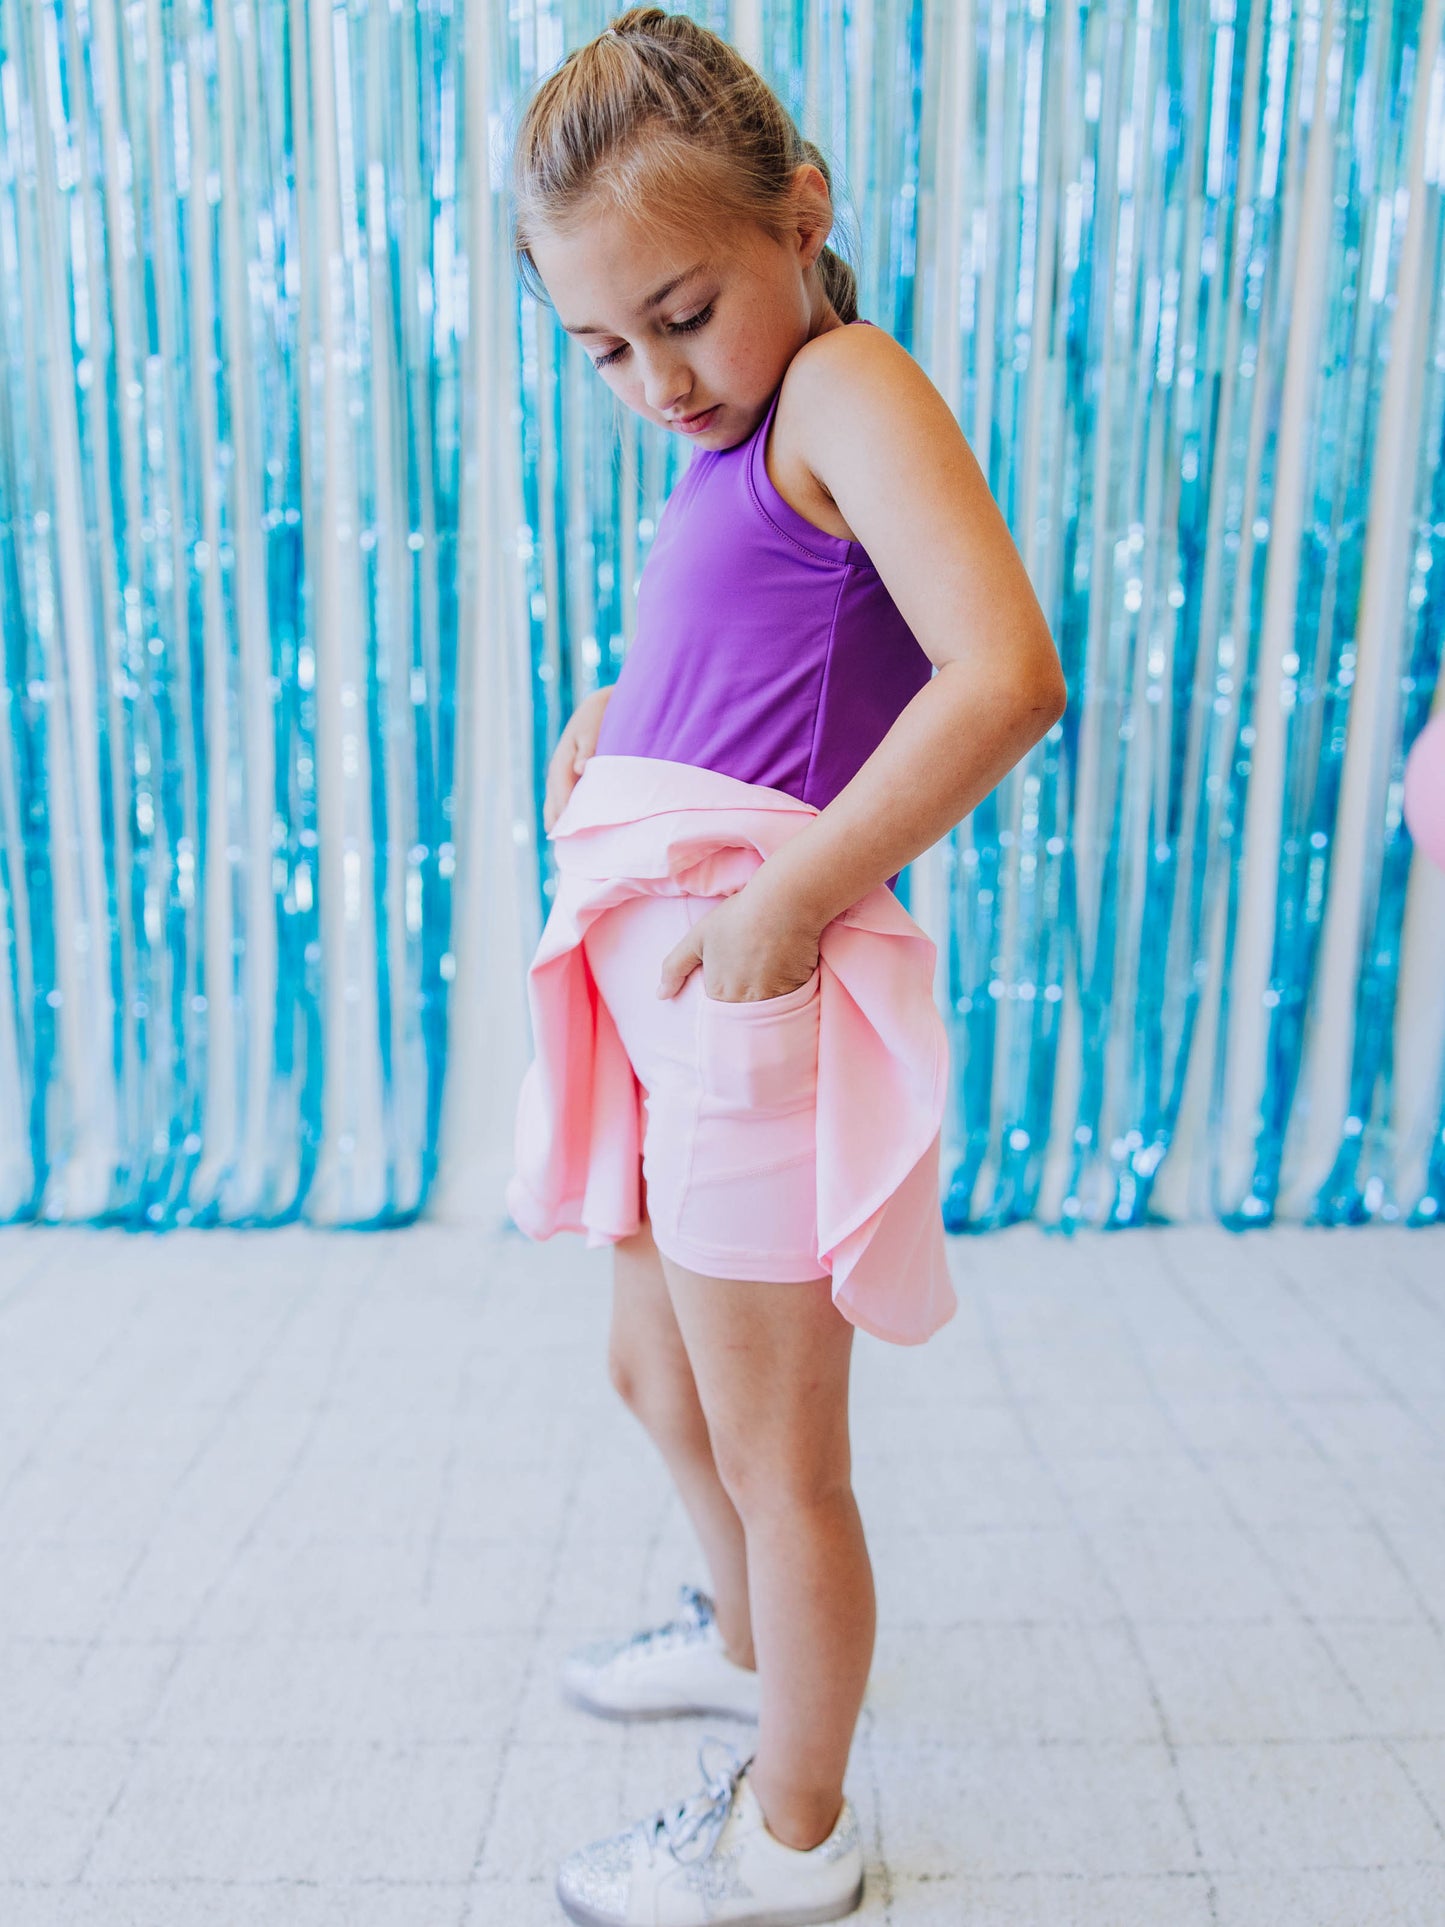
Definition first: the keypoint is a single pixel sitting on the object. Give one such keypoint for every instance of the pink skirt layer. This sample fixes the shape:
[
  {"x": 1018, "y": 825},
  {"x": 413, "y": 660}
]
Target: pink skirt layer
[{"x": 792, "y": 1138}]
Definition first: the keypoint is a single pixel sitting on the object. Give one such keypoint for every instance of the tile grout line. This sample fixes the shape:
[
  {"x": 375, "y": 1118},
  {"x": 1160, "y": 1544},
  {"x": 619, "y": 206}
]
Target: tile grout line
[{"x": 1065, "y": 1498}]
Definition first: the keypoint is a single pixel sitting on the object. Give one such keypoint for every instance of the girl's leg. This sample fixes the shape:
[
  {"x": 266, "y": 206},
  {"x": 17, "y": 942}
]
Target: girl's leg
[
  {"x": 649, "y": 1367},
  {"x": 771, "y": 1368},
  {"x": 649, "y": 1362}
]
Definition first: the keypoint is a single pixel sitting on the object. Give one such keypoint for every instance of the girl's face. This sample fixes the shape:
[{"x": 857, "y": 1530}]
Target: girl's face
[{"x": 692, "y": 327}]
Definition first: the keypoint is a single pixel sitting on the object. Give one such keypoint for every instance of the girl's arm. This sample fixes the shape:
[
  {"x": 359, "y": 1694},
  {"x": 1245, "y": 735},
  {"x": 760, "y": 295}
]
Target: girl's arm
[
  {"x": 576, "y": 743},
  {"x": 884, "y": 444}
]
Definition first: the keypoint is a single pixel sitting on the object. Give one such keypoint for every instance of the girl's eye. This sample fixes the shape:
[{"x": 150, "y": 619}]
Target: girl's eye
[
  {"x": 694, "y": 321},
  {"x": 678, "y": 328}
]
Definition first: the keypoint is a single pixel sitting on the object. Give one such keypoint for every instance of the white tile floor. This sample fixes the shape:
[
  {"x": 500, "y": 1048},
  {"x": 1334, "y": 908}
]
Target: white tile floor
[{"x": 295, "y": 1527}]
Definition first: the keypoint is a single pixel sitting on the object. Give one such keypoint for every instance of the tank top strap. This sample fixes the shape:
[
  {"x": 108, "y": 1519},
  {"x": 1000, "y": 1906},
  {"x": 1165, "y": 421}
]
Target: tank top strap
[
  {"x": 783, "y": 516},
  {"x": 759, "y": 437}
]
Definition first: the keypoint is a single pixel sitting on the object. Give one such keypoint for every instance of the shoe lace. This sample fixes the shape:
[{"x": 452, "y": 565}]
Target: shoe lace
[
  {"x": 695, "y": 1823},
  {"x": 697, "y": 1611}
]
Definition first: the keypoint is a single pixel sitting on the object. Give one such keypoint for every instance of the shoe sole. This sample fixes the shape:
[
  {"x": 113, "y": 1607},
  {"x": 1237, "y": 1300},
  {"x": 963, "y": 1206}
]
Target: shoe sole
[
  {"x": 575, "y": 1697},
  {"x": 791, "y": 1917}
]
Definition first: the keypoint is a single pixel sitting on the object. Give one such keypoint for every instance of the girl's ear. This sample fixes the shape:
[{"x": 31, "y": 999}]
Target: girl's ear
[{"x": 813, "y": 216}]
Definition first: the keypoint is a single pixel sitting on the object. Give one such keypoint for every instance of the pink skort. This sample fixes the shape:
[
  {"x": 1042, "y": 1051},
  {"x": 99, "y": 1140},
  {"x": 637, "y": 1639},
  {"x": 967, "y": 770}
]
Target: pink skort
[{"x": 728, "y": 1095}]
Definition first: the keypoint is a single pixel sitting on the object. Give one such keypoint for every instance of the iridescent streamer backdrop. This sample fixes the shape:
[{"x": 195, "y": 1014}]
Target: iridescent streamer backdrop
[{"x": 314, "y": 528}]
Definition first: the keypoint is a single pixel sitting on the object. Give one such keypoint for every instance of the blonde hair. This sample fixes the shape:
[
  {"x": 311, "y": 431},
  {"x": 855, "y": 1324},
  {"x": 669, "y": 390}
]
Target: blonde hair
[{"x": 667, "y": 121}]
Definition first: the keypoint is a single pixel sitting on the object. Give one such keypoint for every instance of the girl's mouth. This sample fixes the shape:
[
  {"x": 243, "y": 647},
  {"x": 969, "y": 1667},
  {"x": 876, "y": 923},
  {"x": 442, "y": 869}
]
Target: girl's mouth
[{"x": 698, "y": 422}]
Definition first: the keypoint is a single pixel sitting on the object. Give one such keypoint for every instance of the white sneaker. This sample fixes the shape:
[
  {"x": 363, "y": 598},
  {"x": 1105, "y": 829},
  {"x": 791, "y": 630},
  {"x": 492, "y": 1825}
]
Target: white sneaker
[
  {"x": 677, "y": 1668},
  {"x": 711, "y": 1860}
]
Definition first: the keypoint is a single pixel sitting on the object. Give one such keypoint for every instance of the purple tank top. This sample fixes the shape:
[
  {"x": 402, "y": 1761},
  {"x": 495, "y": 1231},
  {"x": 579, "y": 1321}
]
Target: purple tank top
[{"x": 765, "y": 648}]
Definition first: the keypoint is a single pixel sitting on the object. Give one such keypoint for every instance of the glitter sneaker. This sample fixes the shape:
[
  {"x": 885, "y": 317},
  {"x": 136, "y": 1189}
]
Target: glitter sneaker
[
  {"x": 681, "y": 1667},
  {"x": 710, "y": 1861}
]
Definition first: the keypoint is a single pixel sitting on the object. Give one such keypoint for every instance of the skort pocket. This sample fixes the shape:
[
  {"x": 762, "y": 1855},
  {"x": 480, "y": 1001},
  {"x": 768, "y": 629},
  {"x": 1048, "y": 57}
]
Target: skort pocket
[{"x": 762, "y": 1055}]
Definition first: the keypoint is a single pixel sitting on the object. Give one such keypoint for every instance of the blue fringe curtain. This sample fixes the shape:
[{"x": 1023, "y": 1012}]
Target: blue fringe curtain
[
  {"x": 314, "y": 528},
  {"x": 234, "y": 305}
]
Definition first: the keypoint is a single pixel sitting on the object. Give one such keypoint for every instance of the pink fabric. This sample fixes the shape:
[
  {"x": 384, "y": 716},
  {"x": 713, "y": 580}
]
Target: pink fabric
[
  {"x": 727, "y": 1099},
  {"x": 642, "y": 824}
]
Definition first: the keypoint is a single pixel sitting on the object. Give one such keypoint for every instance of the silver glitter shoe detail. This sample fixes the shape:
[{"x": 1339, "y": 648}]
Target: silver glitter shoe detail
[
  {"x": 844, "y": 1837},
  {"x": 599, "y": 1876}
]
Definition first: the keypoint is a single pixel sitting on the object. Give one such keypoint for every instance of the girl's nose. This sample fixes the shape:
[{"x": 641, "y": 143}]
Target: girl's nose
[{"x": 666, "y": 386}]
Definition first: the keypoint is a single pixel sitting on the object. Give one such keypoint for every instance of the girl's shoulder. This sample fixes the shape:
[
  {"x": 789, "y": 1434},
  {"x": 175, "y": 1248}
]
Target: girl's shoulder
[{"x": 849, "y": 353}]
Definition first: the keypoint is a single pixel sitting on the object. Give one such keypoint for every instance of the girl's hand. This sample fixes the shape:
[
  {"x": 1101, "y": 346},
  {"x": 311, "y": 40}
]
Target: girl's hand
[
  {"x": 749, "y": 948},
  {"x": 576, "y": 743}
]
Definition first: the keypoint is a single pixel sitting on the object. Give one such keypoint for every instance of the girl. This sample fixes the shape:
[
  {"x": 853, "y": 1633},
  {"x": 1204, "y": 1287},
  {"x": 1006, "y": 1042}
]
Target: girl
[{"x": 730, "y": 817}]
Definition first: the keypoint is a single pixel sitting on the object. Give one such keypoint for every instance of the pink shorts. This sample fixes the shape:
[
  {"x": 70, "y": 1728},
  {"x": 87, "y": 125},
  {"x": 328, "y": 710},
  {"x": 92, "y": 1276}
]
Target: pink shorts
[{"x": 728, "y": 1094}]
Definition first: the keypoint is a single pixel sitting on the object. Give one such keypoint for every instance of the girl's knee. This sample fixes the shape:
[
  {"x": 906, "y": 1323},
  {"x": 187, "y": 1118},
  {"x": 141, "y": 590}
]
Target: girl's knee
[
  {"x": 663, "y": 1400},
  {"x": 649, "y": 1370},
  {"x": 648, "y": 1383},
  {"x": 762, "y": 1480}
]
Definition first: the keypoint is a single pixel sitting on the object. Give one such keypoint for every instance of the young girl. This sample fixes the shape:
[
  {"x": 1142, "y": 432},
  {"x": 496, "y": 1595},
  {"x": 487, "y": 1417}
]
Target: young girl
[{"x": 729, "y": 819}]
